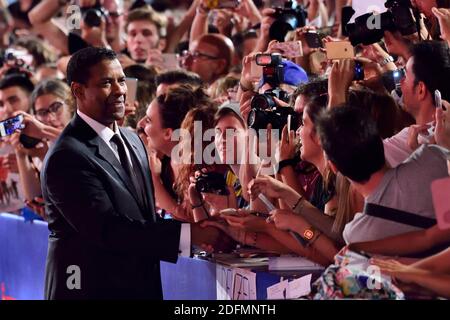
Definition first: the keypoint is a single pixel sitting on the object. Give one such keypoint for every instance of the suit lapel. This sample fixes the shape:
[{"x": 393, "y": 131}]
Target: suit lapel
[{"x": 105, "y": 153}]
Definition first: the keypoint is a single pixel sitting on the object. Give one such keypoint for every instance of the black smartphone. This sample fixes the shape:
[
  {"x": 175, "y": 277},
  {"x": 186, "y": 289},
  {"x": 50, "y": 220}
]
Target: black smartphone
[
  {"x": 10, "y": 125},
  {"x": 313, "y": 40},
  {"x": 28, "y": 142}
]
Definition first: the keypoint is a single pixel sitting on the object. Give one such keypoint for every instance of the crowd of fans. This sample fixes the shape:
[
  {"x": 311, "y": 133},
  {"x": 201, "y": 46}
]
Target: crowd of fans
[{"x": 349, "y": 157}]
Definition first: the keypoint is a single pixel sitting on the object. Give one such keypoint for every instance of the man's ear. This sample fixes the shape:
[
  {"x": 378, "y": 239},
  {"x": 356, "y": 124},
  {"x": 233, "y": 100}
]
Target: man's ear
[
  {"x": 422, "y": 90},
  {"x": 221, "y": 65},
  {"x": 168, "y": 134},
  {"x": 77, "y": 90},
  {"x": 162, "y": 44}
]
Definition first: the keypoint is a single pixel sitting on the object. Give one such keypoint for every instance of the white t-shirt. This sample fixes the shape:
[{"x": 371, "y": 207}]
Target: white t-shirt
[
  {"x": 406, "y": 187},
  {"x": 396, "y": 148}
]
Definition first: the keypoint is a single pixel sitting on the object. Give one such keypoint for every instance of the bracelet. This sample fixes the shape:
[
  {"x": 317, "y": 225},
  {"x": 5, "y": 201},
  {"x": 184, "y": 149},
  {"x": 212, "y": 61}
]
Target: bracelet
[
  {"x": 297, "y": 203},
  {"x": 386, "y": 60},
  {"x": 318, "y": 234},
  {"x": 286, "y": 163},
  {"x": 244, "y": 89}
]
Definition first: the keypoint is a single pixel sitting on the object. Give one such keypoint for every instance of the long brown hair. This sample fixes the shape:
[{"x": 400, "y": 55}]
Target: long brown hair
[{"x": 205, "y": 114}]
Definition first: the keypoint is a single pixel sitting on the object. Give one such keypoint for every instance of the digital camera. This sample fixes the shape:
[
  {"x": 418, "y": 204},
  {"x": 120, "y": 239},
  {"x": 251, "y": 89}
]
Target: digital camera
[
  {"x": 369, "y": 28},
  {"x": 287, "y": 18}
]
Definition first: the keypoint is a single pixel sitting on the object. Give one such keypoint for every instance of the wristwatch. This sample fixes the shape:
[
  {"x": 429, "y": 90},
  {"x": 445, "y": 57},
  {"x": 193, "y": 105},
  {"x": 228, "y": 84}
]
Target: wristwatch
[{"x": 386, "y": 60}]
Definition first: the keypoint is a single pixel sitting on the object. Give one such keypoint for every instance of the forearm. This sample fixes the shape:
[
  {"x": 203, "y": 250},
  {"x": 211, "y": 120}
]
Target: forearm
[
  {"x": 293, "y": 245},
  {"x": 405, "y": 244},
  {"x": 163, "y": 199},
  {"x": 438, "y": 263},
  {"x": 253, "y": 13},
  {"x": 199, "y": 26},
  {"x": 28, "y": 178},
  {"x": 320, "y": 242},
  {"x": 437, "y": 283},
  {"x": 289, "y": 178},
  {"x": 265, "y": 242},
  {"x": 44, "y": 11},
  {"x": 175, "y": 36},
  {"x": 261, "y": 45}
]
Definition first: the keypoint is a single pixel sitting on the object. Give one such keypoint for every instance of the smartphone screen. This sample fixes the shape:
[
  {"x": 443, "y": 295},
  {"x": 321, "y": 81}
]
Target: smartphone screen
[
  {"x": 438, "y": 99},
  {"x": 339, "y": 50},
  {"x": 9, "y": 126},
  {"x": 131, "y": 90}
]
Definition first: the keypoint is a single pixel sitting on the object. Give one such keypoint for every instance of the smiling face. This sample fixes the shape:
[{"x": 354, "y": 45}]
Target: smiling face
[
  {"x": 52, "y": 111},
  {"x": 310, "y": 146},
  {"x": 229, "y": 130},
  {"x": 103, "y": 96}
]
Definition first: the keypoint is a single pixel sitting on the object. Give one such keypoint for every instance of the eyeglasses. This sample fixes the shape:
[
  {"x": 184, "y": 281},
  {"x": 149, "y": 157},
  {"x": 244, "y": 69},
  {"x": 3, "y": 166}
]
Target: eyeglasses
[
  {"x": 54, "y": 108},
  {"x": 197, "y": 55}
]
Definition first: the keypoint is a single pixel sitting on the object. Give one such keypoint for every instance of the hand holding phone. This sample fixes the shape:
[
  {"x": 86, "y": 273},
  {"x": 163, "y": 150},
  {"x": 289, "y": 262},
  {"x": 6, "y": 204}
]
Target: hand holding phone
[
  {"x": 338, "y": 50},
  {"x": 289, "y": 49},
  {"x": 11, "y": 125}
]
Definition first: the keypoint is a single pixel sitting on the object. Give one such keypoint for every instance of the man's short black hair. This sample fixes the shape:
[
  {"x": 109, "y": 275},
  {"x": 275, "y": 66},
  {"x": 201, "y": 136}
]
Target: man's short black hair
[
  {"x": 17, "y": 80},
  {"x": 350, "y": 139},
  {"x": 314, "y": 87},
  {"x": 180, "y": 77},
  {"x": 432, "y": 66},
  {"x": 78, "y": 69}
]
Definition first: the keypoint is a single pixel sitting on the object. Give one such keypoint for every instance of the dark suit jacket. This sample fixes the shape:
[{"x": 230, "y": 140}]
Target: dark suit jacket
[{"x": 98, "y": 223}]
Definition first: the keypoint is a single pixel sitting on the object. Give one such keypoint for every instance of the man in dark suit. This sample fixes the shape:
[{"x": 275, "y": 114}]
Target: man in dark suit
[{"x": 105, "y": 241}]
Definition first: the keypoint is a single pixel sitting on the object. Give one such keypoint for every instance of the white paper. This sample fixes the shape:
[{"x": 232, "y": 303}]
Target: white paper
[
  {"x": 277, "y": 291},
  {"x": 244, "y": 284},
  {"x": 299, "y": 287},
  {"x": 224, "y": 282}
]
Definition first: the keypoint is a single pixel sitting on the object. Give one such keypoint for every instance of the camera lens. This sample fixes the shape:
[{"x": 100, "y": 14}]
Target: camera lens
[{"x": 262, "y": 101}]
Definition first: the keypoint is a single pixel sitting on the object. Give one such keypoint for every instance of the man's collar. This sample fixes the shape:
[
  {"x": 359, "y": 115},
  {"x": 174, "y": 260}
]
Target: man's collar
[{"x": 102, "y": 131}]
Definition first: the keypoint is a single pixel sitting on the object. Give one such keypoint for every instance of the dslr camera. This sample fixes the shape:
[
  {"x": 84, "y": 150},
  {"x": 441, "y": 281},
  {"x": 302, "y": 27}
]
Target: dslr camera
[
  {"x": 93, "y": 16},
  {"x": 287, "y": 18},
  {"x": 212, "y": 182},
  {"x": 264, "y": 109},
  {"x": 369, "y": 28}
]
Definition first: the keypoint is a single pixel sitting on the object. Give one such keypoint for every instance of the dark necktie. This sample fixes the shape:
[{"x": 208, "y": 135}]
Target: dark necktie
[{"x": 120, "y": 148}]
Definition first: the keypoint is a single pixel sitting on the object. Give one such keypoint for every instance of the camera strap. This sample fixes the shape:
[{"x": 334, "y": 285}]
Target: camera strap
[{"x": 398, "y": 216}]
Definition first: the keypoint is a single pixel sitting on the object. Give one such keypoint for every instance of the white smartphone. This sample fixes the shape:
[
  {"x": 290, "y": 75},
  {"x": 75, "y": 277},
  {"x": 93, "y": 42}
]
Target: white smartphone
[
  {"x": 131, "y": 90},
  {"x": 229, "y": 212},
  {"x": 171, "y": 61},
  {"x": 438, "y": 99},
  {"x": 338, "y": 50}
]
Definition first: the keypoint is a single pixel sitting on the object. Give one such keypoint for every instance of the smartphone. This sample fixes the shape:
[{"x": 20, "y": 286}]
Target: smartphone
[
  {"x": 313, "y": 40},
  {"x": 229, "y": 212},
  {"x": 222, "y": 4},
  {"x": 131, "y": 90},
  {"x": 289, "y": 49},
  {"x": 9, "y": 126},
  {"x": 338, "y": 50},
  {"x": 438, "y": 99},
  {"x": 171, "y": 61}
]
